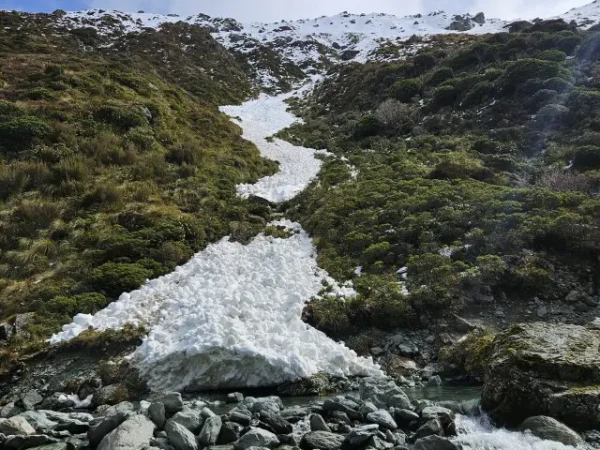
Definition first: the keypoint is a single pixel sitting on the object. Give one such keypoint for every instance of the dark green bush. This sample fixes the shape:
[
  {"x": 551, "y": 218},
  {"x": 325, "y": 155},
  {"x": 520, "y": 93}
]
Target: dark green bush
[
  {"x": 19, "y": 133},
  {"x": 520, "y": 71},
  {"x": 405, "y": 90},
  {"x": 424, "y": 62},
  {"x": 115, "y": 278},
  {"x": 439, "y": 76},
  {"x": 121, "y": 117},
  {"x": 552, "y": 55},
  {"x": 9, "y": 110},
  {"x": 39, "y": 93},
  {"x": 368, "y": 126},
  {"x": 481, "y": 92},
  {"x": 587, "y": 158},
  {"x": 445, "y": 95}
]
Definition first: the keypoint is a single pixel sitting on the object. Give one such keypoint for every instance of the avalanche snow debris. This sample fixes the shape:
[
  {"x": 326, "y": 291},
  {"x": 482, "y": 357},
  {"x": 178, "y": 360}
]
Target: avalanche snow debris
[{"x": 231, "y": 317}]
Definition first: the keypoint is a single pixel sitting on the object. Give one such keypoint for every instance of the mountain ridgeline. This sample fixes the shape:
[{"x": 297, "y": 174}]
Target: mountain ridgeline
[{"x": 462, "y": 177}]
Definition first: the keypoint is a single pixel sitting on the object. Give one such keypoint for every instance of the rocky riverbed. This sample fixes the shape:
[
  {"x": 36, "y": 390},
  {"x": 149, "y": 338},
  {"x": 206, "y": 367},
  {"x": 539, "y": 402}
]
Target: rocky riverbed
[{"x": 380, "y": 416}]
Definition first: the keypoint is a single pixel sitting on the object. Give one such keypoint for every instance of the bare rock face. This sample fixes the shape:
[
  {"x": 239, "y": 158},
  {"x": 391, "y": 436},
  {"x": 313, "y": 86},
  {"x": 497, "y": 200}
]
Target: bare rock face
[{"x": 545, "y": 369}]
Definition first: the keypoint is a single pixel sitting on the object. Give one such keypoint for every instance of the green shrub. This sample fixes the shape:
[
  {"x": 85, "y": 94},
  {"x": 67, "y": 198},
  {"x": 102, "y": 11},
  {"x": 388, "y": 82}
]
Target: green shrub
[
  {"x": 445, "y": 95},
  {"x": 405, "y": 90},
  {"x": 19, "y": 133},
  {"x": 424, "y": 62},
  {"x": 472, "y": 354},
  {"x": 115, "y": 278},
  {"x": 587, "y": 158},
  {"x": 39, "y": 93},
  {"x": 439, "y": 76},
  {"x": 121, "y": 117},
  {"x": 552, "y": 55},
  {"x": 518, "y": 72},
  {"x": 368, "y": 126},
  {"x": 9, "y": 110},
  {"x": 461, "y": 166},
  {"x": 481, "y": 92}
]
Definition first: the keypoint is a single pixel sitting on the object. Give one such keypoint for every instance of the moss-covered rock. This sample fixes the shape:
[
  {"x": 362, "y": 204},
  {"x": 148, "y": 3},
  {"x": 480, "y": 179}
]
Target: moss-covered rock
[{"x": 544, "y": 369}]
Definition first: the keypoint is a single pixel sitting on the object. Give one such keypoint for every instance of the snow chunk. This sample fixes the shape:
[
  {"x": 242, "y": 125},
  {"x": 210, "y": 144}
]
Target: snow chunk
[{"x": 230, "y": 318}]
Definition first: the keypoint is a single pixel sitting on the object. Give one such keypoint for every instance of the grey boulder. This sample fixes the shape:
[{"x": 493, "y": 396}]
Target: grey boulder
[
  {"x": 210, "y": 431},
  {"x": 256, "y": 437},
  {"x": 133, "y": 434},
  {"x": 321, "y": 440},
  {"x": 16, "y": 425},
  {"x": 382, "y": 418},
  {"x": 551, "y": 429},
  {"x": 180, "y": 437}
]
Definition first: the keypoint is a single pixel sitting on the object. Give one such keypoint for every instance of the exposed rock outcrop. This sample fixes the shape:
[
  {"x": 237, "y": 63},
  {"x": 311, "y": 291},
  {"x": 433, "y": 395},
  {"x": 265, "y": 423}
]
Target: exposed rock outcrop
[{"x": 545, "y": 369}]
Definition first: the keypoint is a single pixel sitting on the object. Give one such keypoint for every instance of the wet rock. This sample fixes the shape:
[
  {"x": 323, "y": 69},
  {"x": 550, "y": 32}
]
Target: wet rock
[
  {"x": 25, "y": 442},
  {"x": 109, "y": 395},
  {"x": 551, "y": 429},
  {"x": 9, "y": 410},
  {"x": 344, "y": 405},
  {"x": 256, "y": 437},
  {"x": 435, "y": 380},
  {"x": 434, "y": 443},
  {"x": 295, "y": 414},
  {"x": 230, "y": 432},
  {"x": 235, "y": 397},
  {"x": 433, "y": 427},
  {"x": 276, "y": 422},
  {"x": 133, "y": 434},
  {"x": 382, "y": 418},
  {"x": 190, "y": 418},
  {"x": 210, "y": 431},
  {"x": 400, "y": 401},
  {"x": 357, "y": 439},
  {"x": 30, "y": 400},
  {"x": 39, "y": 421},
  {"x": 241, "y": 415},
  {"x": 181, "y": 438},
  {"x": 544, "y": 369},
  {"x": 157, "y": 414},
  {"x": 172, "y": 401},
  {"x": 340, "y": 417},
  {"x": 379, "y": 391},
  {"x": 444, "y": 415},
  {"x": 16, "y": 425},
  {"x": 367, "y": 407},
  {"x": 102, "y": 426},
  {"x": 73, "y": 427},
  {"x": 321, "y": 440},
  {"x": 405, "y": 416},
  {"x": 317, "y": 423}
]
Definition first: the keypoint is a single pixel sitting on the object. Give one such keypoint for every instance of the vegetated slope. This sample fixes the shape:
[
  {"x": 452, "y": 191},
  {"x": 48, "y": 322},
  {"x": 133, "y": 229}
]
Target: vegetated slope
[
  {"x": 116, "y": 165},
  {"x": 468, "y": 181}
]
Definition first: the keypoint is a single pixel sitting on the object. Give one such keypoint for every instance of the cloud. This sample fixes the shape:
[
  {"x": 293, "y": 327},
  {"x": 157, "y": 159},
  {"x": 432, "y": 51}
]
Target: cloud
[{"x": 273, "y": 10}]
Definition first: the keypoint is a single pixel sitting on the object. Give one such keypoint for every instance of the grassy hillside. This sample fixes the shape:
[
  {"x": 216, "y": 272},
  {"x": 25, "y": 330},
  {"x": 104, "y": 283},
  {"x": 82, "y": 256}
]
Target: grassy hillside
[
  {"x": 115, "y": 164},
  {"x": 473, "y": 168}
]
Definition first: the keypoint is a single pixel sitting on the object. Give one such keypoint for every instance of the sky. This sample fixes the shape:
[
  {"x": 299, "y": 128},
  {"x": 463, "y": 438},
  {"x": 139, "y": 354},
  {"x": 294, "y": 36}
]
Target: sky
[{"x": 273, "y": 10}]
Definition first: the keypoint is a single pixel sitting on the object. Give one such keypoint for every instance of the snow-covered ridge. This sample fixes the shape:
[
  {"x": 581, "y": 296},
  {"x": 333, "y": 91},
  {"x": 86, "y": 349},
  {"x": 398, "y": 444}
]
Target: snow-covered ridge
[{"x": 353, "y": 36}]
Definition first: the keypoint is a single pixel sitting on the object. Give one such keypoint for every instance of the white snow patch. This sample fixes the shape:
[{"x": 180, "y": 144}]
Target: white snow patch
[
  {"x": 229, "y": 318},
  {"x": 78, "y": 404},
  {"x": 260, "y": 119}
]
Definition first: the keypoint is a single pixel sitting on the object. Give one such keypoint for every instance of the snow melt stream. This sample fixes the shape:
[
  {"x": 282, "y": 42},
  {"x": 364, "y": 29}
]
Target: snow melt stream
[
  {"x": 231, "y": 316},
  {"x": 479, "y": 434}
]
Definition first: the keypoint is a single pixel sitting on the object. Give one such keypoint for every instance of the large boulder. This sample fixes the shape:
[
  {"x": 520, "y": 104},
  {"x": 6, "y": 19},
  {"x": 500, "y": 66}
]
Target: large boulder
[
  {"x": 551, "y": 429},
  {"x": 544, "y": 369},
  {"x": 16, "y": 425},
  {"x": 133, "y": 434},
  {"x": 383, "y": 393},
  {"x": 180, "y": 437},
  {"x": 256, "y": 437}
]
